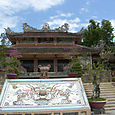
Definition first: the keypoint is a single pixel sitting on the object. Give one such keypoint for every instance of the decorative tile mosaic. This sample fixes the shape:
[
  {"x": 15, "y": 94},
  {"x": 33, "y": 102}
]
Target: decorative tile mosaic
[{"x": 43, "y": 93}]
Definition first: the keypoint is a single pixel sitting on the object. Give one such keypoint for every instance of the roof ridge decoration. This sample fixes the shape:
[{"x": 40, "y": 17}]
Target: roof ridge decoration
[
  {"x": 63, "y": 28},
  {"x": 9, "y": 31},
  {"x": 46, "y": 28},
  {"x": 28, "y": 28}
]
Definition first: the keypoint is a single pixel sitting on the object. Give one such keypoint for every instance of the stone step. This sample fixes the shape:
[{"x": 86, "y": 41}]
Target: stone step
[
  {"x": 112, "y": 112},
  {"x": 104, "y": 83},
  {"x": 103, "y": 86},
  {"x": 107, "y": 91},
  {"x": 109, "y": 108},
  {"x": 102, "y": 90},
  {"x": 102, "y": 94},
  {"x": 109, "y": 105},
  {"x": 110, "y": 102},
  {"x": 108, "y": 96},
  {"x": 111, "y": 99}
]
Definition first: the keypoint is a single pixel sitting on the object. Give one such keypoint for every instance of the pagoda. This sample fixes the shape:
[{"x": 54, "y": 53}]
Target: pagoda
[{"x": 43, "y": 47}]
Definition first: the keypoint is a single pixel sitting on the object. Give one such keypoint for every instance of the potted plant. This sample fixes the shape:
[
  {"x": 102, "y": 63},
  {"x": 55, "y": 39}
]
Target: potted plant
[
  {"x": 96, "y": 102},
  {"x": 75, "y": 68},
  {"x": 12, "y": 72}
]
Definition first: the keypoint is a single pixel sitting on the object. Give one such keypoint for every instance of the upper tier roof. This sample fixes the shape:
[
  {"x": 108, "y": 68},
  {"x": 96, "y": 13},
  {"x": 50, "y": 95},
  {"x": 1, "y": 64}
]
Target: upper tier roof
[{"x": 29, "y": 31}]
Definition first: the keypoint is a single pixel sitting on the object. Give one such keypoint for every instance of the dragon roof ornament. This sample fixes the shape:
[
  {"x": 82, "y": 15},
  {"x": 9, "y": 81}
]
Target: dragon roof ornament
[
  {"x": 28, "y": 28},
  {"x": 9, "y": 31},
  {"x": 63, "y": 28},
  {"x": 45, "y": 28}
]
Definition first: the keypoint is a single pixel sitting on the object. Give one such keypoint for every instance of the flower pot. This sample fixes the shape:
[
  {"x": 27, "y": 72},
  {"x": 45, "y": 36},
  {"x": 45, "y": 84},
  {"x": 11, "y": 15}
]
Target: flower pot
[
  {"x": 97, "y": 104},
  {"x": 12, "y": 76},
  {"x": 72, "y": 75},
  {"x": 2, "y": 70}
]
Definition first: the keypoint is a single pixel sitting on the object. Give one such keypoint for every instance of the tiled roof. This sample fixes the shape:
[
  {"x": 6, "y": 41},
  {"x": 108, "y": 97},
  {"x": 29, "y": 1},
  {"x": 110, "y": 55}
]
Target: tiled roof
[{"x": 51, "y": 50}]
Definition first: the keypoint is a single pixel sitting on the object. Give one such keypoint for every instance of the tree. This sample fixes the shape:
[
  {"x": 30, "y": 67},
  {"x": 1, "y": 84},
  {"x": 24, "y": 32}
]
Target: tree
[
  {"x": 96, "y": 32},
  {"x": 4, "y": 40},
  {"x": 3, "y": 50}
]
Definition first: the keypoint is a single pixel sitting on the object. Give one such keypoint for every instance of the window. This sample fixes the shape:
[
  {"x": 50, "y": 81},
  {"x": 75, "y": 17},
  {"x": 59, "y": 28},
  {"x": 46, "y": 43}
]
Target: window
[
  {"x": 45, "y": 40},
  {"x": 26, "y": 40},
  {"x": 64, "y": 40}
]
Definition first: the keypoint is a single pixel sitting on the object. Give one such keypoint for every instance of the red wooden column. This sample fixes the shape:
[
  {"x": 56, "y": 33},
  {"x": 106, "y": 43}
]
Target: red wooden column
[
  {"x": 35, "y": 64},
  {"x": 55, "y": 64}
]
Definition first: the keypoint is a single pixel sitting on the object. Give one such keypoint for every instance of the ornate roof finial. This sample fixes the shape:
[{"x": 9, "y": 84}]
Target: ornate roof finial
[
  {"x": 63, "y": 28},
  {"x": 9, "y": 31},
  {"x": 28, "y": 28},
  {"x": 46, "y": 27}
]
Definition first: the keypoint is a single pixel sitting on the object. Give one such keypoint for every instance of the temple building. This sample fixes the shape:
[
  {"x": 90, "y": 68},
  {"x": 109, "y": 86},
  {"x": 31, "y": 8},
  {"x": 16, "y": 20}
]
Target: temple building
[{"x": 47, "y": 46}]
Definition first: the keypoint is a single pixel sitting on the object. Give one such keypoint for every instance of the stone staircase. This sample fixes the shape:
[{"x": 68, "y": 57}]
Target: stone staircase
[{"x": 107, "y": 91}]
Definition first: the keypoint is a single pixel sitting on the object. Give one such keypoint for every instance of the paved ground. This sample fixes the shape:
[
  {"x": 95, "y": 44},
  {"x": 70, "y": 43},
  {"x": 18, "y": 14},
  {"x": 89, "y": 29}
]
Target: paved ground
[
  {"x": 107, "y": 113},
  {"x": 111, "y": 112}
]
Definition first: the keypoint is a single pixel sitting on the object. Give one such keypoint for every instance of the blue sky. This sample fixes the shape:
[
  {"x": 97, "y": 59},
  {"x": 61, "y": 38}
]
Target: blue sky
[{"x": 77, "y": 13}]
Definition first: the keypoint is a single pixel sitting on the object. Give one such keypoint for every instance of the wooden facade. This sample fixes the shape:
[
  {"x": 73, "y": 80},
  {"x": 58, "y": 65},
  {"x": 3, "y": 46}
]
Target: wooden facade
[
  {"x": 46, "y": 46},
  {"x": 39, "y": 47}
]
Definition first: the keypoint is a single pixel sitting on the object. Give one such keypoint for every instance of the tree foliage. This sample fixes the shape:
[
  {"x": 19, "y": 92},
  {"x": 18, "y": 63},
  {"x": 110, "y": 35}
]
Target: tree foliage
[
  {"x": 98, "y": 31},
  {"x": 4, "y": 39}
]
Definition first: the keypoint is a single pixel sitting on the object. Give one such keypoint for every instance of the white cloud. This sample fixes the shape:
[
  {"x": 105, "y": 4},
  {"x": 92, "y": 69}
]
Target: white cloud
[
  {"x": 113, "y": 22},
  {"x": 13, "y": 6},
  {"x": 87, "y": 2},
  {"x": 66, "y": 15},
  {"x": 57, "y": 22},
  {"x": 76, "y": 20},
  {"x": 8, "y": 21},
  {"x": 44, "y": 4},
  {"x": 8, "y": 8},
  {"x": 73, "y": 23},
  {"x": 94, "y": 17},
  {"x": 84, "y": 10}
]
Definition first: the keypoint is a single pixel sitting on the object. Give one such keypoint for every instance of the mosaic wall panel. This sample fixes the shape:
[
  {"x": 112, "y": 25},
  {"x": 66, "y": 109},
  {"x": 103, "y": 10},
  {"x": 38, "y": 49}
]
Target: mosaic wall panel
[{"x": 43, "y": 93}]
